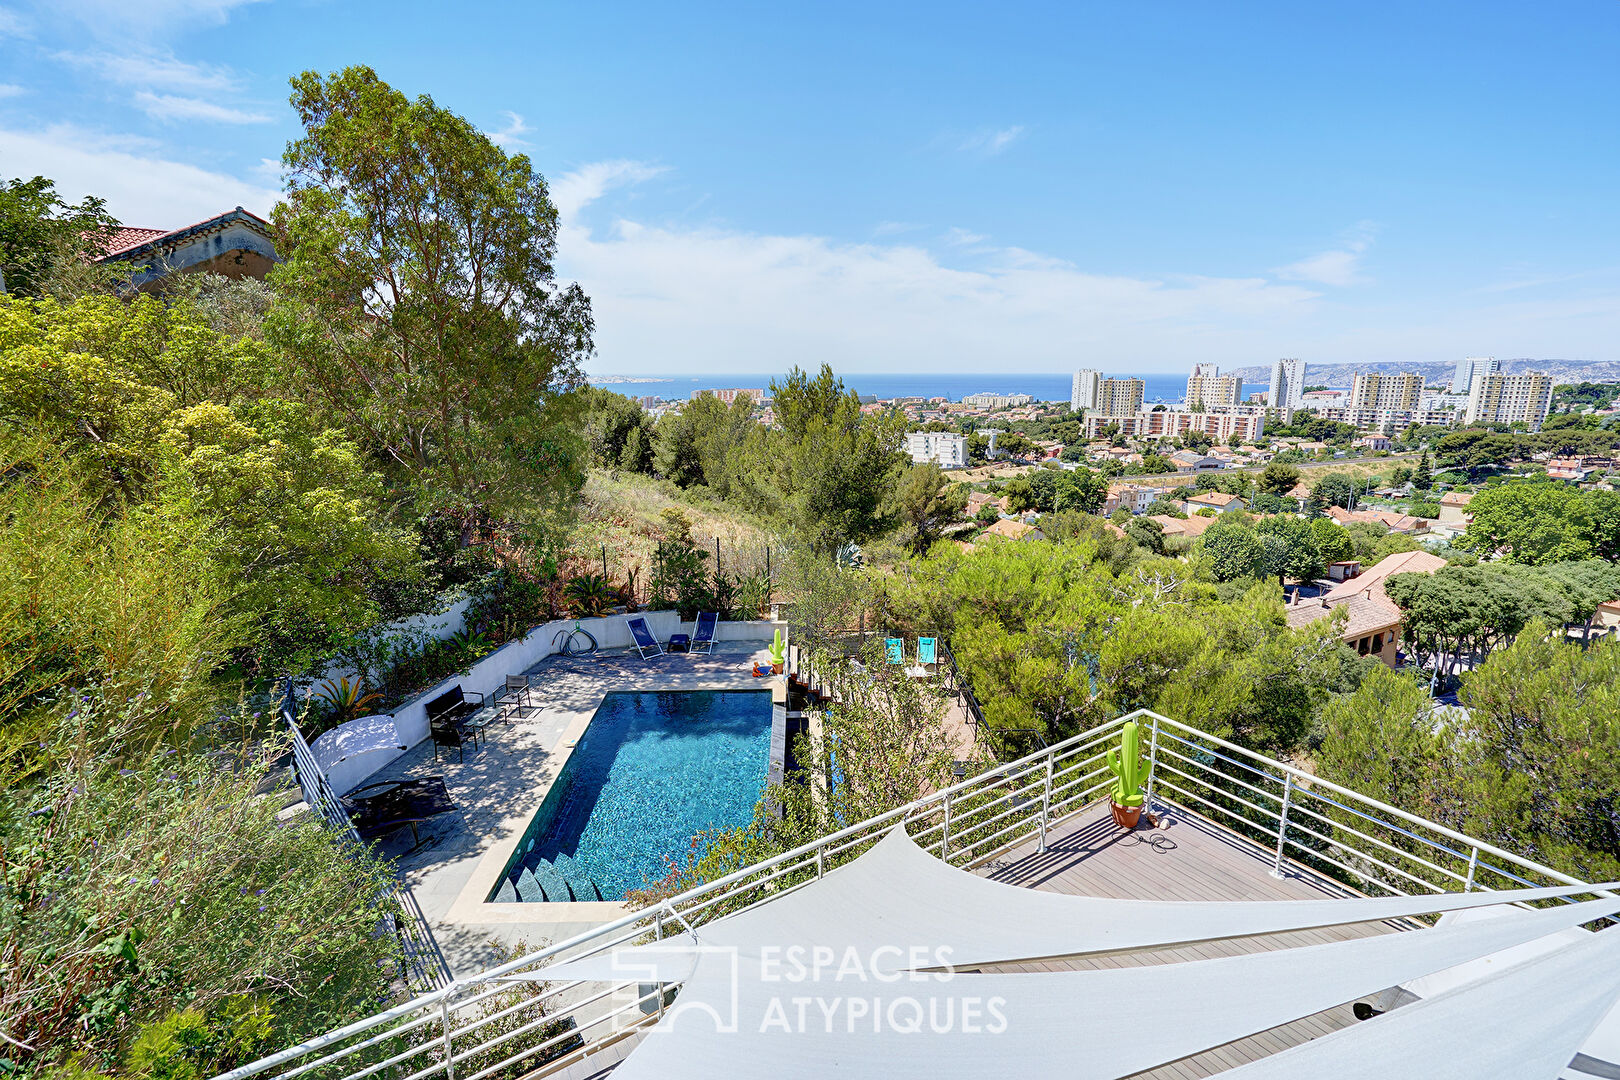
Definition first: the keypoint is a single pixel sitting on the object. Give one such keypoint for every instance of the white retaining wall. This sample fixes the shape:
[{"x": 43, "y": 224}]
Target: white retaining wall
[
  {"x": 443, "y": 625},
  {"x": 488, "y": 676}
]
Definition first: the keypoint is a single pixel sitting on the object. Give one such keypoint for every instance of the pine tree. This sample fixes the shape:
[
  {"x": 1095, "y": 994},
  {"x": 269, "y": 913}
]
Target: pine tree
[{"x": 1421, "y": 480}]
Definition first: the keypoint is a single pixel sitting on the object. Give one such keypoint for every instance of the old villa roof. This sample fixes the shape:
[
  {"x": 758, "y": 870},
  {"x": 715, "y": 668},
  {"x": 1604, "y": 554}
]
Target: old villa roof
[
  {"x": 132, "y": 242},
  {"x": 1011, "y": 528}
]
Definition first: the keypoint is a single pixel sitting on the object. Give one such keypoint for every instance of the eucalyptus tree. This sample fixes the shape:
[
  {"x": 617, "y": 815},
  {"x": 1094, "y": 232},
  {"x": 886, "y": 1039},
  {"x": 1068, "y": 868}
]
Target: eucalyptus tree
[{"x": 419, "y": 301}]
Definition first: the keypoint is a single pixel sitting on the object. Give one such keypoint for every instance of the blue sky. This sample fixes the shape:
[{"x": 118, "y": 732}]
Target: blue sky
[{"x": 907, "y": 188}]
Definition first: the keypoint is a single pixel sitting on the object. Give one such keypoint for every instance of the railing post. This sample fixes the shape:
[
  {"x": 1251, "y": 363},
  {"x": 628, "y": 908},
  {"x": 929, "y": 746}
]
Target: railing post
[
  {"x": 1153, "y": 762},
  {"x": 821, "y": 862},
  {"x": 1046, "y": 803},
  {"x": 945, "y": 840},
  {"x": 1282, "y": 824},
  {"x": 449, "y": 1048},
  {"x": 1473, "y": 865}
]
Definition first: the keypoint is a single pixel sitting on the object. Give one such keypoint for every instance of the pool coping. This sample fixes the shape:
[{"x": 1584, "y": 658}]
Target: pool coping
[{"x": 470, "y": 905}]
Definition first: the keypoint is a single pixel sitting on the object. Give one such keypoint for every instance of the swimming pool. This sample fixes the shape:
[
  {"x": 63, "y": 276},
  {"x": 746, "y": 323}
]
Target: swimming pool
[{"x": 651, "y": 772}]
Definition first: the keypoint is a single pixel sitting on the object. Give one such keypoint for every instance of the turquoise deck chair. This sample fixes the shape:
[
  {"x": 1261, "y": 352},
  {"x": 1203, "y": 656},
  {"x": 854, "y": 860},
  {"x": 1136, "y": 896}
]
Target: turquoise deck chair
[
  {"x": 927, "y": 650},
  {"x": 895, "y": 649}
]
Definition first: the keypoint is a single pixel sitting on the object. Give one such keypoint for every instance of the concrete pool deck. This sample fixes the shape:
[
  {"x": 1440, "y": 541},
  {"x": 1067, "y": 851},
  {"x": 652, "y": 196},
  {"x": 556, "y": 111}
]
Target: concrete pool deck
[{"x": 501, "y": 784}]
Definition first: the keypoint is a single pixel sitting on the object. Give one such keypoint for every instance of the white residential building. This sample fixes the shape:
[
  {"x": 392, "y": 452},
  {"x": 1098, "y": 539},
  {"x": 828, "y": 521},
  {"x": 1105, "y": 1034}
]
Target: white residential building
[
  {"x": 1086, "y": 390},
  {"x": 1494, "y": 398},
  {"x": 1287, "y": 384},
  {"x": 1373, "y": 390},
  {"x": 997, "y": 401},
  {"x": 1470, "y": 366},
  {"x": 945, "y": 448},
  {"x": 1120, "y": 397},
  {"x": 1207, "y": 388}
]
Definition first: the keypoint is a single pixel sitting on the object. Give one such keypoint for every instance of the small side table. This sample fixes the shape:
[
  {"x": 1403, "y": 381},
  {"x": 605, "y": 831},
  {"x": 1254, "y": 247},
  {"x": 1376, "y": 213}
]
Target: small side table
[{"x": 680, "y": 643}]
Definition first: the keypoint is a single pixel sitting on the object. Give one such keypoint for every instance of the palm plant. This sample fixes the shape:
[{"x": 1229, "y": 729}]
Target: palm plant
[{"x": 347, "y": 700}]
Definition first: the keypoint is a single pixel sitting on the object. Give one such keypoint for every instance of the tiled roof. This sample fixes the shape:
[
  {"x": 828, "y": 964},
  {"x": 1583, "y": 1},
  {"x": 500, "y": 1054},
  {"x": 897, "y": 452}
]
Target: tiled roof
[
  {"x": 1367, "y": 613},
  {"x": 1174, "y": 526},
  {"x": 1010, "y": 528},
  {"x": 128, "y": 241},
  {"x": 1214, "y": 498},
  {"x": 128, "y": 237},
  {"x": 1372, "y": 579}
]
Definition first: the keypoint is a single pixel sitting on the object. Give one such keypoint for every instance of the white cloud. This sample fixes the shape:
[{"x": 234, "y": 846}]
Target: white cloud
[
  {"x": 141, "y": 188},
  {"x": 172, "y": 107},
  {"x": 12, "y": 24},
  {"x": 703, "y": 299},
  {"x": 991, "y": 142},
  {"x": 11, "y": 90},
  {"x": 154, "y": 71},
  {"x": 960, "y": 237},
  {"x": 511, "y": 137},
  {"x": 572, "y": 192},
  {"x": 1338, "y": 267},
  {"x": 149, "y": 18}
]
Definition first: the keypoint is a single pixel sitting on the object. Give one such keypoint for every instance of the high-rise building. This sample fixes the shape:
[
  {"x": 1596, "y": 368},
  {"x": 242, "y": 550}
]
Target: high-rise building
[
  {"x": 1373, "y": 390},
  {"x": 1287, "y": 384},
  {"x": 1087, "y": 386},
  {"x": 1119, "y": 397},
  {"x": 1470, "y": 366},
  {"x": 1207, "y": 388},
  {"x": 1494, "y": 398}
]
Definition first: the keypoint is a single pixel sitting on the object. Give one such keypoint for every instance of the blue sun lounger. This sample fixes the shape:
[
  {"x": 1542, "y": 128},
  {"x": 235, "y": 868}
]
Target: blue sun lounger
[
  {"x": 645, "y": 642},
  {"x": 703, "y": 636},
  {"x": 895, "y": 650}
]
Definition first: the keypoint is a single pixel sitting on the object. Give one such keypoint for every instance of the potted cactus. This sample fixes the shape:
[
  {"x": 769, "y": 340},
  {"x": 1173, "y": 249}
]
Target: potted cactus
[
  {"x": 778, "y": 653},
  {"x": 1126, "y": 764}
]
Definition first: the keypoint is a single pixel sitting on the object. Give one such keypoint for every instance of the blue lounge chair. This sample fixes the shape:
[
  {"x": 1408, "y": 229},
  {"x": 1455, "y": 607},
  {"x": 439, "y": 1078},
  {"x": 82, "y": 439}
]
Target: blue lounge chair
[
  {"x": 927, "y": 650},
  {"x": 645, "y": 642},
  {"x": 895, "y": 650},
  {"x": 703, "y": 637}
]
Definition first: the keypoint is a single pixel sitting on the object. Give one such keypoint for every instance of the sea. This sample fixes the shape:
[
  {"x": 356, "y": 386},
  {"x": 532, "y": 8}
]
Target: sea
[{"x": 1043, "y": 386}]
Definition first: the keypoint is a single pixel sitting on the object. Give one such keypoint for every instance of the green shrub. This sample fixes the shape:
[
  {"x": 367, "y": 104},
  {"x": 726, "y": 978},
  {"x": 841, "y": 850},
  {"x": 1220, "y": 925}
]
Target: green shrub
[{"x": 136, "y": 888}]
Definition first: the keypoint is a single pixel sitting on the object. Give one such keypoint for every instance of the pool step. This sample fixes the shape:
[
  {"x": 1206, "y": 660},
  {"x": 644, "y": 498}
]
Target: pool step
[{"x": 535, "y": 880}]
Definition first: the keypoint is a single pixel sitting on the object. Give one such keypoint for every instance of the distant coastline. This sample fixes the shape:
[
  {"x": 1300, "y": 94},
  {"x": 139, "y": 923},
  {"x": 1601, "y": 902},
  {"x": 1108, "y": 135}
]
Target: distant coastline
[{"x": 1042, "y": 386}]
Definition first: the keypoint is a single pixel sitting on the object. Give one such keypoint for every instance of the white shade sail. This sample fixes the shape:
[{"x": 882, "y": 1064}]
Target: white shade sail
[
  {"x": 1525, "y": 1022},
  {"x": 744, "y": 1015},
  {"x": 897, "y": 895}
]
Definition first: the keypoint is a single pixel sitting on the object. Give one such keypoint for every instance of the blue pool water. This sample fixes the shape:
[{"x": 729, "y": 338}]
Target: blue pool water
[{"x": 651, "y": 772}]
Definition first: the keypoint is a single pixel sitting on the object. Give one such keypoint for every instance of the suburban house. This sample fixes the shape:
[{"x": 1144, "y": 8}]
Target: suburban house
[
  {"x": 1373, "y": 626},
  {"x": 1401, "y": 523},
  {"x": 1187, "y": 461},
  {"x": 1454, "y": 507},
  {"x": 235, "y": 244},
  {"x": 1192, "y": 527},
  {"x": 1132, "y": 497},
  {"x": 1375, "y": 443},
  {"x": 1218, "y": 501},
  {"x": 1013, "y": 529},
  {"x": 1567, "y": 469}
]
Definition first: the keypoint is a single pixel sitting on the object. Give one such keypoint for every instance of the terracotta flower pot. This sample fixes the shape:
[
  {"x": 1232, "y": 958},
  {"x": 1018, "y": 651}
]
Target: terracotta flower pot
[
  {"x": 1125, "y": 817},
  {"x": 776, "y": 669}
]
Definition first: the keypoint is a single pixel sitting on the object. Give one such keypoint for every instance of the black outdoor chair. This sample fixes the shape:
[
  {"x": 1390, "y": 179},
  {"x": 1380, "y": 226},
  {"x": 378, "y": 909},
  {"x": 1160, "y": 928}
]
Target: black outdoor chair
[
  {"x": 449, "y": 720},
  {"x": 396, "y": 804}
]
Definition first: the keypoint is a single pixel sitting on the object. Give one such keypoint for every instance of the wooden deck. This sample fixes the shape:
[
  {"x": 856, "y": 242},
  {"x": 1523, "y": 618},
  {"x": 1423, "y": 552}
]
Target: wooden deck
[{"x": 1186, "y": 857}]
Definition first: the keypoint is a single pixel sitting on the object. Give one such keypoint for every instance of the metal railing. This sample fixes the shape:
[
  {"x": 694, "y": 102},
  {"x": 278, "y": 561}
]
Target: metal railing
[
  {"x": 421, "y": 961},
  {"x": 511, "y": 1021}
]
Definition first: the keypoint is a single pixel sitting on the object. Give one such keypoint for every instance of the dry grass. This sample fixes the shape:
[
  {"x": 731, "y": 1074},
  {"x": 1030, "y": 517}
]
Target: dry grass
[{"x": 622, "y": 514}]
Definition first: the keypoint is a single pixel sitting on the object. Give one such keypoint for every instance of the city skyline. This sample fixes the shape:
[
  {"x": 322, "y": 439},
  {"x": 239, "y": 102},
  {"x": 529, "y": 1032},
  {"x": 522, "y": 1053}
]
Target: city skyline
[{"x": 944, "y": 189}]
